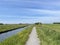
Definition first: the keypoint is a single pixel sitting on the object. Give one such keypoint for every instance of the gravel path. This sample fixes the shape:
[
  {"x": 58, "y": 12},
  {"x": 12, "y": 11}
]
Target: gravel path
[{"x": 33, "y": 38}]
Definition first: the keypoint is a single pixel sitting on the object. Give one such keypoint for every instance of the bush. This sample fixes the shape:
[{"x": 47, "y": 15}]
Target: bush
[
  {"x": 1, "y": 23},
  {"x": 38, "y": 23}
]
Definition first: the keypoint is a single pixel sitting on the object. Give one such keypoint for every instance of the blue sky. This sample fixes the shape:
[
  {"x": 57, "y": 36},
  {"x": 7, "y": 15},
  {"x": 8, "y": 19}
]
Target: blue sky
[{"x": 29, "y": 11}]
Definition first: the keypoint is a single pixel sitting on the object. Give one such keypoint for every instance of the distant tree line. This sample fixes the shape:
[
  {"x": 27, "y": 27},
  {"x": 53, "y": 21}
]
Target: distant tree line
[
  {"x": 56, "y": 23},
  {"x": 1, "y": 24},
  {"x": 38, "y": 23}
]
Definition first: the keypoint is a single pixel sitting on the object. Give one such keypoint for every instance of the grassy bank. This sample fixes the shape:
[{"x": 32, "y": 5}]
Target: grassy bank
[
  {"x": 55, "y": 27},
  {"x": 48, "y": 35},
  {"x": 9, "y": 27},
  {"x": 18, "y": 39}
]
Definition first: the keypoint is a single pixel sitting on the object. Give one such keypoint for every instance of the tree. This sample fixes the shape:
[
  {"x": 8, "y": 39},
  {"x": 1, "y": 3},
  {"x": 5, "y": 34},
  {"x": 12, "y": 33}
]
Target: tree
[
  {"x": 38, "y": 23},
  {"x": 1, "y": 23}
]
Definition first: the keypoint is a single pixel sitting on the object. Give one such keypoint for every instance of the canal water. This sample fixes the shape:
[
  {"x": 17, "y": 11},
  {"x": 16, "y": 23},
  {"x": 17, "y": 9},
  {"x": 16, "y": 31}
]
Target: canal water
[{"x": 3, "y": 36}]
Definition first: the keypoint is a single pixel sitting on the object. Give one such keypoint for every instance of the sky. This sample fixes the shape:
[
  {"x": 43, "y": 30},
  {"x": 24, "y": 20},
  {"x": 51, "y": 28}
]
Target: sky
[{"x": 29, "y": 11}]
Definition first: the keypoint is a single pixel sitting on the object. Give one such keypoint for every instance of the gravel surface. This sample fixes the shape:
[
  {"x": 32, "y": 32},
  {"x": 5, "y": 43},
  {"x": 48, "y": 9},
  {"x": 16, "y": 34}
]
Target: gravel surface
[{"x": 33, "y": 38}]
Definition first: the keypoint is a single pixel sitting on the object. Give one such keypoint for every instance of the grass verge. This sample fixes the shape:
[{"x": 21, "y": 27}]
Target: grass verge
[
  {"x": 10, "y": 27},
  {"x": 19, "y": 38},
  {"x": 48, "y": 36}
]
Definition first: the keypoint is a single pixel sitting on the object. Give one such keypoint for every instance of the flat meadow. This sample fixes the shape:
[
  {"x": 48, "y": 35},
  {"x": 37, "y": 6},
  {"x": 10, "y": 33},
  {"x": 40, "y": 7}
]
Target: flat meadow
[
  {"x": 10, "y": 27},
  {"x": 49, "y": 34}
]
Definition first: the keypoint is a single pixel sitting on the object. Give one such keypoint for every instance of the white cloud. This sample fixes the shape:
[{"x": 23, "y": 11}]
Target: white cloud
[{"x": 47, "y": 12}]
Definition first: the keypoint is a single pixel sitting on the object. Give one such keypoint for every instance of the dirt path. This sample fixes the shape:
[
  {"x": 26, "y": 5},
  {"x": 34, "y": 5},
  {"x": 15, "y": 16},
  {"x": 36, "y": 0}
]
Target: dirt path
[{"x": 33, "y": 38}]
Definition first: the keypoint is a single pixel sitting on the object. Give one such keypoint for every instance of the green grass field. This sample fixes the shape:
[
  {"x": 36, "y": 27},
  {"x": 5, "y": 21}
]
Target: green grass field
[
  {"x": 10, "y": 27},
  {"x": 49, "y": 34},
  {"x": 55, "y": 27},
  {"x": 18, "y": 39}
]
